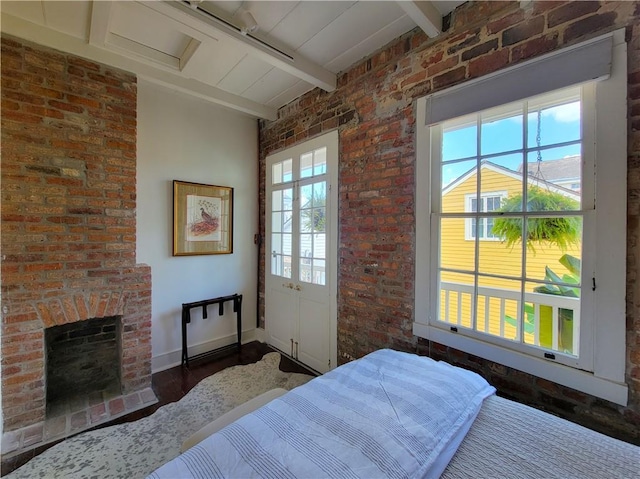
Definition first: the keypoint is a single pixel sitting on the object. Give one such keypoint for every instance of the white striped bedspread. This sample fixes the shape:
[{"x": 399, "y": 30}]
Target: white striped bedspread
[{"x": 389, "y": 414}]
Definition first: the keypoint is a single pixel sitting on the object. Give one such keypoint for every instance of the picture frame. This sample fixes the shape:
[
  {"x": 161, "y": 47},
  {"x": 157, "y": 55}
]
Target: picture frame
[{"x": 202, "y": 219}]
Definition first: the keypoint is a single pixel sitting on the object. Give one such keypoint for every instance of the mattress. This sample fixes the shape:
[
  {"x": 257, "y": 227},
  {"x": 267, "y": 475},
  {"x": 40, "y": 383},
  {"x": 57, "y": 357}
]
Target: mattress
[
  {"x": 511, "y": 440},
  {"x": 389, "y": 414}
]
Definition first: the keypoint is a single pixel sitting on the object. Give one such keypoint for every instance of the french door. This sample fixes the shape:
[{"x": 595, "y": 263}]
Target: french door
[{"x": 301, "y": 249}]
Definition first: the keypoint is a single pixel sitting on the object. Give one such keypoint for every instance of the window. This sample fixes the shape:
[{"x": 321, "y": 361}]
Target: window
[
  {"x": 482, "y": 227},
  {"x": 508, "y": 207}
]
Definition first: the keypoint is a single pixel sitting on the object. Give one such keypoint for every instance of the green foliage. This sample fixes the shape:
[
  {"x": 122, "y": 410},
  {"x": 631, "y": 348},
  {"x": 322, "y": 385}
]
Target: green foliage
[
  {"x": 574, "y": 266},
  {"x": 559, "y": 231},
  {"x": 313, "y": 213}
]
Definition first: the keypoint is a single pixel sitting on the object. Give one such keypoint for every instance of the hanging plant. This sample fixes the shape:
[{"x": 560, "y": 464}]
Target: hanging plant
[{"x": 558, "y": 231}]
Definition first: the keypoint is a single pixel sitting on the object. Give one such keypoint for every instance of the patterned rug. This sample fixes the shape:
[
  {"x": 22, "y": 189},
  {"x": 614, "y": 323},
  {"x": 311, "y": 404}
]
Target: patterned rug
[{"x": 134, "y": 450}]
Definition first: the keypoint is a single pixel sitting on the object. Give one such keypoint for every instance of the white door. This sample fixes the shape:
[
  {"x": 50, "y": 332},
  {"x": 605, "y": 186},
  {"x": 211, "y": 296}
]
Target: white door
[{"x": 301, "y": 248}]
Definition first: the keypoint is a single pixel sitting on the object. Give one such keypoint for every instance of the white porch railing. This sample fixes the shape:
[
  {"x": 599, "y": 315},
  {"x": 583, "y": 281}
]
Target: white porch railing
[{"x": 457, "y": 309}]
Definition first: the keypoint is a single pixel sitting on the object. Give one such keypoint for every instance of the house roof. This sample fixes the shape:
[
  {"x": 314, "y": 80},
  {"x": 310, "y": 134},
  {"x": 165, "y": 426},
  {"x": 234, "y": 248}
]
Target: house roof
[
  {"x": 562, "y": 169},
  {"x": 533, "y": 178}
]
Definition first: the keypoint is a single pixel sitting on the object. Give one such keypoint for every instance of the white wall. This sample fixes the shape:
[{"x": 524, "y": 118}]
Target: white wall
[{"x": 183, "y": 138}]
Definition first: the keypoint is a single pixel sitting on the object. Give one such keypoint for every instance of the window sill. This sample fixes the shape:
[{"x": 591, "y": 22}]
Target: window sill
[{"x": 573, "y": 378}]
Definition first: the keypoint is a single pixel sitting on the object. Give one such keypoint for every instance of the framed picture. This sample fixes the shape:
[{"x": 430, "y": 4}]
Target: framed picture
[{"x": 202, "y": 219}]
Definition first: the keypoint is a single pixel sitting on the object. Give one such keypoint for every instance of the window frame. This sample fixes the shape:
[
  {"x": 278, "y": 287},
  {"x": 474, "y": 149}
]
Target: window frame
[{"x": 606, "y": 335}]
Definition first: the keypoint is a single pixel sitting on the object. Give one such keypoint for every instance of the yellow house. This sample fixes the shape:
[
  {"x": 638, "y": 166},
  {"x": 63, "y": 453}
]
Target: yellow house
[{"x": 500, "y": 268}]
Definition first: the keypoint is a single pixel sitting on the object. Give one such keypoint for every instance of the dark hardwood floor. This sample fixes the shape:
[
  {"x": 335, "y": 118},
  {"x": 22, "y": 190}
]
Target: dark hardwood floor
[{"x": 172, "y": 384}]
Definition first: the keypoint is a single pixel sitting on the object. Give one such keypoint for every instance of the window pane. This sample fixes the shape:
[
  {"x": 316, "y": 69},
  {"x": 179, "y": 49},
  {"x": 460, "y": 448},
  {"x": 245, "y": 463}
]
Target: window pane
[
  {"x": 306, "y": 165},
  {"x": 559, "y": 172},
  {"x": 554, "y": 320},
  {"x": 495, "y": 257},
  {"x": 460, "y": 140},
  {"x": 456, "y": 252},
  {"x": 459, "y": 180},
  {"x": 502, "y": 176},
  {"x": 549, "y": 263},
  {"x": 498, "y": 307},
  {"x": 456, "y": 298},
  {"x": 501, "y": 130},
  {"x": 557, "y": 124}
]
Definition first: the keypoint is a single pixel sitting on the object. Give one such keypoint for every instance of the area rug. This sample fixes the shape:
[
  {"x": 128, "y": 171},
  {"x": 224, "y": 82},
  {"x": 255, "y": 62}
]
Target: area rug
[{"x": 134, "y": 450}]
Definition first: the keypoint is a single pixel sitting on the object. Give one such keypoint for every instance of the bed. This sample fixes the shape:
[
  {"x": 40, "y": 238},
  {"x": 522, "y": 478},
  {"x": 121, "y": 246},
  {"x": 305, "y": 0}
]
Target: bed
[{"x": 394, "y": 414}]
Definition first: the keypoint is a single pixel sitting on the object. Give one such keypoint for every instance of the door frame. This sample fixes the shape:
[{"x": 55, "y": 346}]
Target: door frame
[{"x": 331, "y": 141}]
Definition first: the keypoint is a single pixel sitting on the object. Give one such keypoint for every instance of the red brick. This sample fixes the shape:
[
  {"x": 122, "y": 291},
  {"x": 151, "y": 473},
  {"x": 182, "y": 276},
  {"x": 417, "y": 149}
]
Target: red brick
[
  {"x": 571, "y": 11},
  {"x": 589, "y": 25},
  {"x": 523, "y": 31}
]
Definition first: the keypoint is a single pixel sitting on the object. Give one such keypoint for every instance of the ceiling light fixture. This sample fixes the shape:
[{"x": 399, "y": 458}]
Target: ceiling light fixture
[{"x": 194, "y": 3}]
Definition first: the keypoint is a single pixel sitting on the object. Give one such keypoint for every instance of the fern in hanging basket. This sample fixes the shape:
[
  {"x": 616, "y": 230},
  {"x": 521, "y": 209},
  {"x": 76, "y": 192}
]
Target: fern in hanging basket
[{"x": 558, "y": 231}]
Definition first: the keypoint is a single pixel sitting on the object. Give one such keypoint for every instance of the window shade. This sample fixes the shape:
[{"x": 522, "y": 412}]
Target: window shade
[{"x": 590, "y": 60}]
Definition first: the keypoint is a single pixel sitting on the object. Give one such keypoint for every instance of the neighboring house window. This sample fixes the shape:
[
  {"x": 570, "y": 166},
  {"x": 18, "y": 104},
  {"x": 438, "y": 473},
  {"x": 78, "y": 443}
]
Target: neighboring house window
[
  {"x": 534, "y": 298},
  {"x": 483, "y": 227}
]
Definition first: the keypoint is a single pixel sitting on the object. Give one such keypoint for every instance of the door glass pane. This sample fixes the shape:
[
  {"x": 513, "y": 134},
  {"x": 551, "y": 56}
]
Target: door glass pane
[
  {"x": 286, "y": 244},
  {"x": 306, "y": 246},
  {"x": 320, "y": 161},
  {"x": 276, "y": 221},
  {"x": 287, "y": 199},
  {"x": 306, "y": 165},
  {"x": 276, "y": 173},
  {"x": 276, "y": 200},
  {"x": 319, "y": 246},
  {"x": 287, "y": 170},
  {"x": 318, "y": 274}
]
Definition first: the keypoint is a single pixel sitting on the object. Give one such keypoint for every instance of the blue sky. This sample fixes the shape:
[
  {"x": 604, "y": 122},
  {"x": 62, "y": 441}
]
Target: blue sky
[{"x": 558, "y": 124}]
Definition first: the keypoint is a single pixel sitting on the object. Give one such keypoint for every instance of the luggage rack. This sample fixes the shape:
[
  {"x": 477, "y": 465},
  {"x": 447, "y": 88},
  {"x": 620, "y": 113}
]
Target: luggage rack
[{"x": 186, "y": 318}]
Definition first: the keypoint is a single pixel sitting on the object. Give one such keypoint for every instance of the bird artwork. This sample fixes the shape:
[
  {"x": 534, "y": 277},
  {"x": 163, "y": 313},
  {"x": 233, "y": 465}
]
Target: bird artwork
[{"x": 208, "y": 221}]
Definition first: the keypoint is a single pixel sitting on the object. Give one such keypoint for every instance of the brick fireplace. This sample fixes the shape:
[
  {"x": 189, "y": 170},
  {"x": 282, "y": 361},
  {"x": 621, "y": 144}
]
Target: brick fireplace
[{"x": 68, "y": 237}]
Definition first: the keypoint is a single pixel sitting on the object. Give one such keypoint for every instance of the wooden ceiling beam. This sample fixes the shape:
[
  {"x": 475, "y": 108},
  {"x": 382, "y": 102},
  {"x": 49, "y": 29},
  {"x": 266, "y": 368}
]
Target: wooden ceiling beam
[
  {"x": 425, "y": 14},
  {"x": 213, "y": 27}
]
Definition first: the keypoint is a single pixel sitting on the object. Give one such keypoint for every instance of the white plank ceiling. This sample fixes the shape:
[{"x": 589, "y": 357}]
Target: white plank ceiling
[{"x": 199, "y": 47}]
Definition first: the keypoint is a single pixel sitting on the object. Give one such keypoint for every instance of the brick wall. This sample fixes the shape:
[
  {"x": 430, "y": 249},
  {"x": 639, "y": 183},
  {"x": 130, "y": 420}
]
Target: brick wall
[
  {"x": 68, "y": 236},
  {"x": 373, "y": 111}
]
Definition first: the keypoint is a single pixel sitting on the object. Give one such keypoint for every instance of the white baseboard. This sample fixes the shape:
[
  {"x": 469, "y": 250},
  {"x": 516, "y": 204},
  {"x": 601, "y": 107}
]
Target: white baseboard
[
  {"x": 174, "y": 358},
  {"x": 261, "y": 335}
]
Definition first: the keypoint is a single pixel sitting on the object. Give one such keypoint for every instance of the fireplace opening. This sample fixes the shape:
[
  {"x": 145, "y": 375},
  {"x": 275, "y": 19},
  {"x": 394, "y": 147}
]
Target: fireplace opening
[{"x": 83, "y": 364}]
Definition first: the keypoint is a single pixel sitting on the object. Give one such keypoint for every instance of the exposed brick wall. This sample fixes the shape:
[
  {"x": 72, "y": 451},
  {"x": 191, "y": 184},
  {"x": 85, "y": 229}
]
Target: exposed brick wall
[
  {"x": 68, "y": 235},
  {"x": 374, "y": 113}
]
